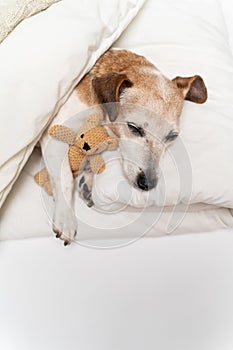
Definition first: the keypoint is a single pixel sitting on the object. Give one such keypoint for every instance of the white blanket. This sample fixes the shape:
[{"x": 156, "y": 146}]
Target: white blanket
[{"x": 41, "y": 62}]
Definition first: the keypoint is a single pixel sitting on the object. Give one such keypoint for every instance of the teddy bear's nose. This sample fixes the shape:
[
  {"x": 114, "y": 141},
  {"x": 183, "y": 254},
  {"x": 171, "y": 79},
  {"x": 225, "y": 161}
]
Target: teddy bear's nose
[{"x": 86, "y": 147}]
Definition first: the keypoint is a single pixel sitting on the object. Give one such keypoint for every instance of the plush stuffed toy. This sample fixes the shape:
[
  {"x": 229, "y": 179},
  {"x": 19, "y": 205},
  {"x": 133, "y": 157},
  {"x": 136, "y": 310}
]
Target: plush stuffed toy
[{"x": 85, "y": 146}]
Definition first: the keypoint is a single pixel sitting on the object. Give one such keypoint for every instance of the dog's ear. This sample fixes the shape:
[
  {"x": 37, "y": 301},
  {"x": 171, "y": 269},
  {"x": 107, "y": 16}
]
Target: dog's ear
[
  {"x": 108, "y": 89},
  {"x": 193, "y": 88}
]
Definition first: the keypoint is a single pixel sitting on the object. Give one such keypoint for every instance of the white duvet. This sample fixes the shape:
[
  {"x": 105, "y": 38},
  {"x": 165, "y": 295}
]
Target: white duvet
[
  {"x": 41, "y": 61},
  {"x": 196, "y": 171}
]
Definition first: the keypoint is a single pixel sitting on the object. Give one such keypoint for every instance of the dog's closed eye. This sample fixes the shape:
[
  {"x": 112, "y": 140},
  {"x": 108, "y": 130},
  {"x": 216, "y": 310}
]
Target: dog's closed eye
[
  {"x": 171, "y": 136},
  {"x": 136, "y": 129}
]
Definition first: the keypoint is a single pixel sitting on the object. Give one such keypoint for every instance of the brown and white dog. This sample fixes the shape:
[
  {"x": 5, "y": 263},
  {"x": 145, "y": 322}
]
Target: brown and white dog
[{"x": 130, "y": 91}]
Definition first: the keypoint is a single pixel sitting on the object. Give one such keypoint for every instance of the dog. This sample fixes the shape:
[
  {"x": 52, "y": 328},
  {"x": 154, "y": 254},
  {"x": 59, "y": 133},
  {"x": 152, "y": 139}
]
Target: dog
[{"x": 129, "y": 91}]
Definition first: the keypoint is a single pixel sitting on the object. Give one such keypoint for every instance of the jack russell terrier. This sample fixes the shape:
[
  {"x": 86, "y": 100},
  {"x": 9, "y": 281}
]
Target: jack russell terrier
[{"x": 121, "y": 83}]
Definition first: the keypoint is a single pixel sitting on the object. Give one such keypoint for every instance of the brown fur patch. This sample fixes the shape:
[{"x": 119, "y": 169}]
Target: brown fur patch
[
  {"x": 108, "y": 88},
  {"x": 150, "y": 88},
  {"x": 118, "y": 61}
]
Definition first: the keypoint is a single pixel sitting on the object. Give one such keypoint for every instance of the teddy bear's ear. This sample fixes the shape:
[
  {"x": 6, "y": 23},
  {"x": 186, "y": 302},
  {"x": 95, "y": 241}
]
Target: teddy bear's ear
[
  {"x": 91, "y": 122},
  {"x": 112, "y": 143}
]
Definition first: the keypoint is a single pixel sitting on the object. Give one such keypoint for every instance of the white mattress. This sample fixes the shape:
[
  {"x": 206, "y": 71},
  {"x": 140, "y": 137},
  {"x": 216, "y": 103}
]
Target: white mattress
[{"x": 166, "y": 293}]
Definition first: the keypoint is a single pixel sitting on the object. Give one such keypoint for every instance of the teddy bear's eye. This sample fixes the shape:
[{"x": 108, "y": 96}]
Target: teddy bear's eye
[{"x": 82, "y": 136}]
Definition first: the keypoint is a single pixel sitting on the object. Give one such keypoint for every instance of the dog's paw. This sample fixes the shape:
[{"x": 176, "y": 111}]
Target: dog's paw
[
  {"x": 65, "y": 225},
  {"x": 85, "y": 188}
]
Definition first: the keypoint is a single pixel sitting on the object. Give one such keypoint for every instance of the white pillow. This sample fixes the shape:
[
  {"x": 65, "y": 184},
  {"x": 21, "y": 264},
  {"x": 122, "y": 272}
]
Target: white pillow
[
  {"x": 28, "y": 211},
  {"x": 41, "y": 62},
  {"x": 185, "y": 38}
]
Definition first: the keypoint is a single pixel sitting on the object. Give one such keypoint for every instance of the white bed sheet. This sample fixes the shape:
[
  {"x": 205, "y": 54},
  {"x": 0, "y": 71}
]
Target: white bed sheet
[
  {"x": 169, "y": 293},
  {"x": 227, "y": 8}
]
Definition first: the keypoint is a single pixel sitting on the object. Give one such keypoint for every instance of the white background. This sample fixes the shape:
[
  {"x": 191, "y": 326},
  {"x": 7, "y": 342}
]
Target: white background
[{"x": 173, "y": 293}]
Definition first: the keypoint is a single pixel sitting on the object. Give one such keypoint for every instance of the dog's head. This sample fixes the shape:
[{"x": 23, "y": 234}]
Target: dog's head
[{"x": 144, "y": 108}]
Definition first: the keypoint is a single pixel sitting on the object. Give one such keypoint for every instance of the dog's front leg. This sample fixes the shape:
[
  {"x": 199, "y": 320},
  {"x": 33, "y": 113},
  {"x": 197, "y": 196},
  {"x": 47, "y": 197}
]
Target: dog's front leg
[
  {"x": 61, "y": 177},
  {"x": 85, "y": 184},
  {"x": 64, "y": 219}
]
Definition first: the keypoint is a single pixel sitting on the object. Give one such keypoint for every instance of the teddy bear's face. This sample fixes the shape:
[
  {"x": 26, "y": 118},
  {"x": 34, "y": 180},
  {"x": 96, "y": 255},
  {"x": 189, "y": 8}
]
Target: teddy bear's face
[{"x": 93, "y": 141}]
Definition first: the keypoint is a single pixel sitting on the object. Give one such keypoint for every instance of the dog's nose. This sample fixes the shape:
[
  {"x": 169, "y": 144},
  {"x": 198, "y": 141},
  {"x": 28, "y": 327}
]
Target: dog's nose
[
  {"x": 86, "y": 147},
  {"x": 145, "y": 182}
]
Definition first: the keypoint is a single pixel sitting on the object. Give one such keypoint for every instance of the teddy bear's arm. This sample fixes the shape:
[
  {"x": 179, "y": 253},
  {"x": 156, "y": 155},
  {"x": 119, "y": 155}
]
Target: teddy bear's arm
[
  {"x": 97, "y": 163},
  {"x": 62, "y": 133},
  {"x": 77, "y": 160}
]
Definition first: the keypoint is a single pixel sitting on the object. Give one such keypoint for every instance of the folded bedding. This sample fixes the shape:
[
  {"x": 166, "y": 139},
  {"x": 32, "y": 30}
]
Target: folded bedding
[
  {"x": 195, "y": 191},
  {"x": 12, "y": 12}
]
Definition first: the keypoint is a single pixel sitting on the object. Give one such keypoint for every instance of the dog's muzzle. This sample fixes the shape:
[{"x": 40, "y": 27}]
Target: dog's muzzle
[{"x": 146, "y": 182}]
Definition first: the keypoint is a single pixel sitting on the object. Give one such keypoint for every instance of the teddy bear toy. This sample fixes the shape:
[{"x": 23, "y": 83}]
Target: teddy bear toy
[{"x": 84, "y": 146}]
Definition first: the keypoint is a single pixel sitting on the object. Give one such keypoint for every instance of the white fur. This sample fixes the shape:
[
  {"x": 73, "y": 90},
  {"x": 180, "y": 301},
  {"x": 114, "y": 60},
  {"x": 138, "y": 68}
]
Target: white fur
[
  {"x": 61, "y": 177},
  {"x": 161, "y": 84}
]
